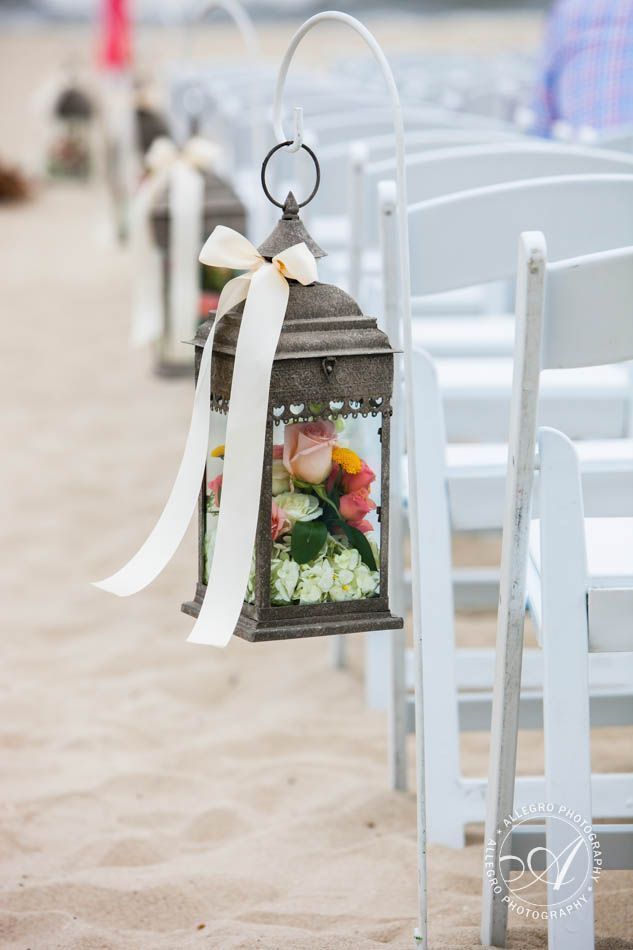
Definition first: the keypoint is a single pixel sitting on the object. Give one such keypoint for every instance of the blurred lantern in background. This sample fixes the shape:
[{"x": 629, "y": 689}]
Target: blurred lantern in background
[
  {"x": 70, "y": 149},
  {"x": 320, "y": 563},
  {"x": 180, "y": 202},
  {"x": 150, "y": 122}
]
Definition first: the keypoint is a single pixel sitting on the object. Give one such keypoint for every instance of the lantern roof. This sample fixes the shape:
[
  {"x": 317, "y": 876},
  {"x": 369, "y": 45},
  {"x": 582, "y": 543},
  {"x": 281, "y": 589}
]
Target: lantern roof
[
  {"x": 73, "y": 103},
  {"x": 321, "y": 319},
  {"x": 288, "y": 231}
]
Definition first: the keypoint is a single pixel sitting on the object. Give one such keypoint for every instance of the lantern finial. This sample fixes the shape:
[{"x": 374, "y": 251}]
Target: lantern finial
[
  {"x": 291, "y": 208},
  {"x": 288, "y": 231}
]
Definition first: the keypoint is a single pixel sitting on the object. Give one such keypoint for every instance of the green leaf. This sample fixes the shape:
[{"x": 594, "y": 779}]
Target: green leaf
[
  {"x": 307, "y": 539},
  {"x": 320, "y": 492},
  {"x": 358, "y": 540}
]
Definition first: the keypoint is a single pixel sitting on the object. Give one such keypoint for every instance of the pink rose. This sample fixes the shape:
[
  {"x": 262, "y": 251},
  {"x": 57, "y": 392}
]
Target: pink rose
[
  {"x": 362, "y": 479},
  {"x": 279, "y": 522},
  {"x": 355, "y": 505},
  {"x": 278, "y": 451},
  {"x": 215, "y": 489},
  {"x": 308, "y": 450}
]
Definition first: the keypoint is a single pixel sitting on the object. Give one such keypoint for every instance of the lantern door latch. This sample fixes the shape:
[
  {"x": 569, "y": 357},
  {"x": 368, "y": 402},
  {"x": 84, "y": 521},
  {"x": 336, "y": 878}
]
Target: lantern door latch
[{"x": 328, "y": 363}]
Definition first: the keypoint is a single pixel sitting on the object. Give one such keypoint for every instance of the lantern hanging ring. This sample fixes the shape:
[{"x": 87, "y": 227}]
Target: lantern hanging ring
[{"x": 317, "y": 167}]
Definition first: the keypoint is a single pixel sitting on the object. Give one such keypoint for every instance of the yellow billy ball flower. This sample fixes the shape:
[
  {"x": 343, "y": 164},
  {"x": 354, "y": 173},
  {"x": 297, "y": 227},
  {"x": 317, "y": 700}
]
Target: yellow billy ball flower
[
  {"x": 347, "y": 459},
  {"x": 218, "y": 452}
]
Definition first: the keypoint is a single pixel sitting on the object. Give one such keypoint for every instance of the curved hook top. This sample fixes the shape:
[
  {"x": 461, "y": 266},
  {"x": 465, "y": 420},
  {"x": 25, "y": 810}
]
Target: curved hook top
[
  {"x": 371, "y": 41},
  {"x": 236, "y": 12}
]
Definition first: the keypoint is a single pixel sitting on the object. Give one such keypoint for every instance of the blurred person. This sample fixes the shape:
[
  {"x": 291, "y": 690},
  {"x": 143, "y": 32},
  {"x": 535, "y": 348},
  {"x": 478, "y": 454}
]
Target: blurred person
[{"x": 587, "y": 66}]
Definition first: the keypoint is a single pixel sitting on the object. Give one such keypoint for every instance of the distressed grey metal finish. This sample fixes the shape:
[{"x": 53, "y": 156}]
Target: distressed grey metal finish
[{"x": 332, "y": 360}]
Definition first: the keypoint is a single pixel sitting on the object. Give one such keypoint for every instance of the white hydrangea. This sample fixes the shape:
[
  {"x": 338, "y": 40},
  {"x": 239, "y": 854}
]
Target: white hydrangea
[
  {"x": 337, "y": 574},
  {"x": 299, "y": 507},
  {"x": 284, "y": 575}
]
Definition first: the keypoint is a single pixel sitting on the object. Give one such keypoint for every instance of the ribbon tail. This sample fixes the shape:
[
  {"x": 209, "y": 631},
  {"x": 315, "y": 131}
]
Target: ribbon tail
[
  {"x": 170, "y": 528},
  {"x": 247, "y": 422},
  {"x": 186, "y": 198},
  {"x": 147, "y": 304}
]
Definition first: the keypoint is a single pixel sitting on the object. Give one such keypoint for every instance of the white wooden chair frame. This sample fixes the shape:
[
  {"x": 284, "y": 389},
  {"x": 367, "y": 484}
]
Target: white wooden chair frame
[
  {"x": 472, "y": 670},
  {"x": 554, "y": 332},
  {"x": 580, "y": 617}
]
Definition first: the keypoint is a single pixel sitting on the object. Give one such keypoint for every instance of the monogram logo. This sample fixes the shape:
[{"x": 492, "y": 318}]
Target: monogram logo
[{"x": 544, "y": 880}]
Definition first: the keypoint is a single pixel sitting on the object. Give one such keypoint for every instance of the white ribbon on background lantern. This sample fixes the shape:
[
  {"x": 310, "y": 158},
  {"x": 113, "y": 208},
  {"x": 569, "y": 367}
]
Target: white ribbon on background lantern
[
  {"x": 182, "y": 174},
  {"x": 265, "y": 289}
]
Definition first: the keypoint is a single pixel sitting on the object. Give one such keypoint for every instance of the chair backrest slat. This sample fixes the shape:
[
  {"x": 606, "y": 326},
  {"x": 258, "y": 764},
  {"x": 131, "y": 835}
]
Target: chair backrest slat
[
  {"x": 579, "y": 214},
  {"x": 445, "y": 171},
  {"x": 589, "y": 310}
]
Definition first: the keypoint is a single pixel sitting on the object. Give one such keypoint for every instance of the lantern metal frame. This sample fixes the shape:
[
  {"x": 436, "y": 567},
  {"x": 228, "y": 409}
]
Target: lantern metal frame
[{"x": 329, "y": 355}]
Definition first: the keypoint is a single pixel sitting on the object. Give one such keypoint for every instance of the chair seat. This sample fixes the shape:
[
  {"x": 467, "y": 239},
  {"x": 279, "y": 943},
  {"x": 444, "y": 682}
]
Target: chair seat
[
  {"x": 464, "y": 336},
  {"x": 476, "y": 473},
  {"x": 609, "y": 551},
  {"x": 584, "y": 403},
  {"x": 609, "y": 543}
]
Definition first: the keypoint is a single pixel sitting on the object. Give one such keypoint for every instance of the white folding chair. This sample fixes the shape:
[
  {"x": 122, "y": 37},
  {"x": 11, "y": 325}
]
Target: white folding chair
[
  {"x": 574, "y": 313},
  {"x": 457, "y": 683},
  {"x": 472, "y": 478},
  {"x": 580, "y": 587}
]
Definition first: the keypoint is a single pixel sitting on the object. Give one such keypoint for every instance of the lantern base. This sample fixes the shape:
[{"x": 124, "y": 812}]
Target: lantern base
[{"x": 256, "y": 631}]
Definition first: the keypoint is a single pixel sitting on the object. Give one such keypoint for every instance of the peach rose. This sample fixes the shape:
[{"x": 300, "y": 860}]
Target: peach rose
[
  {"x": 354, "y": 506},
  {"x": 308, "y": 450},
  {"x": 279, "y": 523},
  {"x": 350, "y": 483},
  {"x": 362, "y": 479},
  {"x": 278, "y": 451}
]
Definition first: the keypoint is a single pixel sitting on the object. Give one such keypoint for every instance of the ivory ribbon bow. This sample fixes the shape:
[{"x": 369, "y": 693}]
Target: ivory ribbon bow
[
  {"x": 265, "y": 290},
  {"x": 181, "y": 172}
]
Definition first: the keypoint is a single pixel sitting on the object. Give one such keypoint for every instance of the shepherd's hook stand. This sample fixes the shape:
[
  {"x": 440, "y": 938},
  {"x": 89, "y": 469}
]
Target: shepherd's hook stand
[{"x": 405, "y": 297}]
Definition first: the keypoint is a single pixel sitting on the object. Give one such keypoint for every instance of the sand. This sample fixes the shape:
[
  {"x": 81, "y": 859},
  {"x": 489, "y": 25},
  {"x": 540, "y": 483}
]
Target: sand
[{"x": 158, "y": 795}]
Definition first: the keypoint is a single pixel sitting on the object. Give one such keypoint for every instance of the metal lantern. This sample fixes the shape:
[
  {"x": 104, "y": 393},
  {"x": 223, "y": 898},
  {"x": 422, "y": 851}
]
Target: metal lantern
[
  {"x": 332, "y": 376},
  {"x": 150, "y": 125},
  {"x": 69, "y": 154},
  {"x": 221, "y": 206}
]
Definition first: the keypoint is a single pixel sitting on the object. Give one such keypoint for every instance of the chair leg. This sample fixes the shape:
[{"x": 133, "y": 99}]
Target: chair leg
[
  {"x": 338, "y": 652},
  {"x": 377, "y": 648},
  {"x": 397, "y": 710},
  {"x": 566, "y": 723},
  {"x": 512, "y": 581}
]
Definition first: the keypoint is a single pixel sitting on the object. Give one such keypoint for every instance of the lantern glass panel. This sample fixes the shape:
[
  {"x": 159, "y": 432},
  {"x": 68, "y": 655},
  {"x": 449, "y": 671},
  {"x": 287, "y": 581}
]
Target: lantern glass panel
[
  {"x": 212, "y": 490},
  {"x": 325, "y": 509},
  {"x": 69, "y": 149}
]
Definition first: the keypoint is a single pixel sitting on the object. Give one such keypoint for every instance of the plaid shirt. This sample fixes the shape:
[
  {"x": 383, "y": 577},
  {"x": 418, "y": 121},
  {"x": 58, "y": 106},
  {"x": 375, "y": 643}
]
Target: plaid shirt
[{"x": 587, "y": 74}]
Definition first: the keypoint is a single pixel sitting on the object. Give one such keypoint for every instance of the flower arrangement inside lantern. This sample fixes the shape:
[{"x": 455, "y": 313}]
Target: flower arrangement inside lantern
[
  {"x": 325, "y": 524},
  {"x": 69, "y": 150}
]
